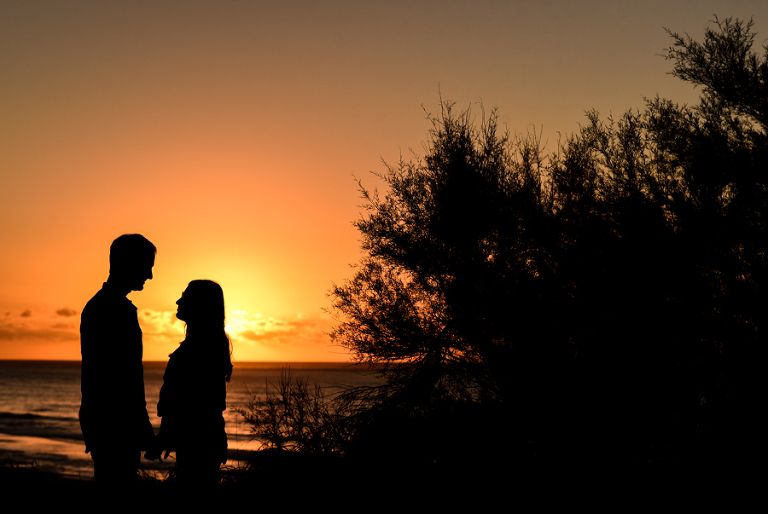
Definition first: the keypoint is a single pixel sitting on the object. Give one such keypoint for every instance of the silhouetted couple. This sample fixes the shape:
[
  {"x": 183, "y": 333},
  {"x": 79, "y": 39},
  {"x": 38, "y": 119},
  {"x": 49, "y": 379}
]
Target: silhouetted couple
[{"x": 113, "y": 412}]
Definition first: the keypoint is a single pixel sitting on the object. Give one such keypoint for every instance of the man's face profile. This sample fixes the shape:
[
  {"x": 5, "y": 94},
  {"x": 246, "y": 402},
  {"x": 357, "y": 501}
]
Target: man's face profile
[{"x": 139, "y": 273}]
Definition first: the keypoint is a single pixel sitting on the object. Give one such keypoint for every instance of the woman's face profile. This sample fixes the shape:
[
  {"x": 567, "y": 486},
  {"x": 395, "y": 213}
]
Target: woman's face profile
[
  {"x": 183, "y": 306},
  {"x": 198, "y": 304}
]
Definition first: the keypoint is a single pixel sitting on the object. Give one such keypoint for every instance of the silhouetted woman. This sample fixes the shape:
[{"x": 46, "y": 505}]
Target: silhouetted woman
[{"x": 194, "y": 390}]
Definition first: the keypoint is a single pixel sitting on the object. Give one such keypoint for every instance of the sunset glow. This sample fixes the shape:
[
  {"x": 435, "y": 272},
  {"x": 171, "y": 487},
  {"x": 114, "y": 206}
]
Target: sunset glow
[{"x": 231, "y": 134}]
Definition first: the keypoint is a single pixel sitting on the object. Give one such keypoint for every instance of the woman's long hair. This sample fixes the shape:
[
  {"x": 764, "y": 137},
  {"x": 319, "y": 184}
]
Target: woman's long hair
[{"x": 207, "y": 319}]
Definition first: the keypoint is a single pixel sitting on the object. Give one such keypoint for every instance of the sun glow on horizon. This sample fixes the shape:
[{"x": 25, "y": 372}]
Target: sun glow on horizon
[
  {"x": 254, "y": 336},
  {"x": 231, "y": 135}
]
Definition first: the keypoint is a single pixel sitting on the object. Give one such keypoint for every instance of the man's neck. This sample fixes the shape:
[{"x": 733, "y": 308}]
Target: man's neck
[{"x": 117, "y": 285}]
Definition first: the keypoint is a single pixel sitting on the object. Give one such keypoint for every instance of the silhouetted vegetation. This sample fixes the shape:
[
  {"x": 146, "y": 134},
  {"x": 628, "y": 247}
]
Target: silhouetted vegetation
[
  {"x": 296, "y": 417},
  {"x": 602, "y": 302}
]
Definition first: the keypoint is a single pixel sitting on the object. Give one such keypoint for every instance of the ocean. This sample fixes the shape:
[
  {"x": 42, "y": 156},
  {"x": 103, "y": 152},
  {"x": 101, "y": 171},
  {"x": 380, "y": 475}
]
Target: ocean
[{"x": 39, "y": 403}]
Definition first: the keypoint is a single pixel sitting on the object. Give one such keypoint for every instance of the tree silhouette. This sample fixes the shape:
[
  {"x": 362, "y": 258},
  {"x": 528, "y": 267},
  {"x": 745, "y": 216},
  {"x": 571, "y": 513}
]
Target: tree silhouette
[
  {"x": 602, "y": 301},
  {"x": 450, "y": 276}
]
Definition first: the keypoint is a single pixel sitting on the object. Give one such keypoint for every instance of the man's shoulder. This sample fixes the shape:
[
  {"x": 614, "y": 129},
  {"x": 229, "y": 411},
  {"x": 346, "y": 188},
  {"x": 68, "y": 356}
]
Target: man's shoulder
[
  {"x": 99, "y": 302},
  {"x": 107, "y": 302}
]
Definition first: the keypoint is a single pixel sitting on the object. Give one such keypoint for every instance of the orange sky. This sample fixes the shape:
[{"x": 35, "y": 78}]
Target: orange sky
[{"x": 228, "y": 133}]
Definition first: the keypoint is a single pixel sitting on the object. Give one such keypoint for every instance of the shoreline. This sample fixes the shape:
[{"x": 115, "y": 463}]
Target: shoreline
[
  {"x": 244, "y": 364},
  {"x": 67, "y": 458}
]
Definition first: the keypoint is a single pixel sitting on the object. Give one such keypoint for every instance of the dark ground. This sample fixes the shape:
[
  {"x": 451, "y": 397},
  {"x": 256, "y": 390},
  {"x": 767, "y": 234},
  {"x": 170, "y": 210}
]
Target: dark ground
[{"x": 292, "y": 481}]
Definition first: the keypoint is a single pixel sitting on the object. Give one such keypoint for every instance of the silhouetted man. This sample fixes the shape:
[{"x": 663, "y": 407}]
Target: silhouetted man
[{"x": 113, "y": 411}]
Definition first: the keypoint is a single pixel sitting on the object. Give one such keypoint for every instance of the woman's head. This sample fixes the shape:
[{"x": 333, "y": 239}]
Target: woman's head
[
  {"x": 202, "y": 304},
  {"x": 201, "y": 307}
]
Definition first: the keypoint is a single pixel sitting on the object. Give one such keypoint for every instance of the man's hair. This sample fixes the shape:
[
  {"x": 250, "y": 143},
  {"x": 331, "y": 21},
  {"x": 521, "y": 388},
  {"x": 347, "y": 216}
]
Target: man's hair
[{"x": 128, "y": 250}]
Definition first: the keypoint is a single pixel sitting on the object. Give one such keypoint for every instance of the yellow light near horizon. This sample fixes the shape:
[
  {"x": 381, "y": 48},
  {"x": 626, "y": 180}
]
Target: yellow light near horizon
[{"x": 238, "y": 322}]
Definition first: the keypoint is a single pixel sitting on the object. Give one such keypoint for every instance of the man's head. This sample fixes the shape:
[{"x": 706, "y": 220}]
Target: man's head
[{"x": 131, "y": 258}]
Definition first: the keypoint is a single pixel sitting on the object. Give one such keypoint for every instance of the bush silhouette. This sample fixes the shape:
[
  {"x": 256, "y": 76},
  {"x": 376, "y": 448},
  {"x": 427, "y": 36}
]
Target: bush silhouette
[{"x": 602, "y": 301}]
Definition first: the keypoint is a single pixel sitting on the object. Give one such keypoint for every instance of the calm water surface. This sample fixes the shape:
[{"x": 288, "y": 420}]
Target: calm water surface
[{"x": 39, "y": 402}]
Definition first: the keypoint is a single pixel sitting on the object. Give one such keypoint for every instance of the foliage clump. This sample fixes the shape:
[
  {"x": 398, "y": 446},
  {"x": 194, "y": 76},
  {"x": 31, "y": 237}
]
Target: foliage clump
[
  {"x": 293, "y": 416},
  {"x": 602, "y": 302},
  {"x": 603, "y": 299}
]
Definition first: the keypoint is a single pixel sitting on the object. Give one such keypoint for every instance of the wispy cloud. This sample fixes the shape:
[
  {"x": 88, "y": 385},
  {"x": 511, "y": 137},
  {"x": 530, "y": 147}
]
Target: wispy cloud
[
  {"x": 160, "y": 327},
  {"x": 242, "y": 327},
  {"x": 253, "y": 335},
  {"x": 253, "y": 328},
  {"x": 30, "y": 326}
]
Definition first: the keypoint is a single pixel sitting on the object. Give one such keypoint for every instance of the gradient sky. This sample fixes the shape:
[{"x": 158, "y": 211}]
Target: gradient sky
[{"x": 229, "y": 132}]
